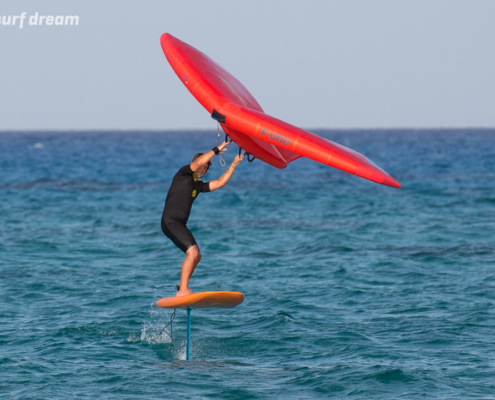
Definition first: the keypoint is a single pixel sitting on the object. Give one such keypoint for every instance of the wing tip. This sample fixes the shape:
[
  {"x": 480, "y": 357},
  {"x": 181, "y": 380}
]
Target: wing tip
[
  {"x": 389, "y": 181},
  {"x": 165, "y": 37},
  {"x": 376, "y": 174}
]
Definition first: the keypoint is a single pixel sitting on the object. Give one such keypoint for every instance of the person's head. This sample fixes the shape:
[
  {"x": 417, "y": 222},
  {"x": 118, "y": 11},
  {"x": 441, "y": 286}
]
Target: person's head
[{"x": 201, "y": 171}]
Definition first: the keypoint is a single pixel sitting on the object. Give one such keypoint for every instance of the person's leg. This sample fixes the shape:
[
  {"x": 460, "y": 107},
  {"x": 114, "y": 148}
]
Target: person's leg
[
  {"x": 193, "y": 257},
  {"x": 184, "y": 240}
]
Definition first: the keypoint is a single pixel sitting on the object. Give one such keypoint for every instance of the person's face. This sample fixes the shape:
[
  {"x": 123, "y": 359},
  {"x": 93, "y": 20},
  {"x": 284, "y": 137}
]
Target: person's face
[{"x": 201, "y": 171}]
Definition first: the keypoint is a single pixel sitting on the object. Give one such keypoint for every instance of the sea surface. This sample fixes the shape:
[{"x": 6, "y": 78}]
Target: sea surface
[{"x": 352, "y": 289}]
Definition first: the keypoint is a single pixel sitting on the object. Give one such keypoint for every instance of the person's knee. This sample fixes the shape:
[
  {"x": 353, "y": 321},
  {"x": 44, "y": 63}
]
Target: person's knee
[{"x": 194, "y": 253}]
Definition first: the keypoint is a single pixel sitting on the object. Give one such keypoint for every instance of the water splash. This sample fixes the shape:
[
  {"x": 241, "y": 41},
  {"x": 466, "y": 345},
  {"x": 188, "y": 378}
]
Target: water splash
[
  {"x": 151, "y": 333},
  {"x": 180, "y": 354}
]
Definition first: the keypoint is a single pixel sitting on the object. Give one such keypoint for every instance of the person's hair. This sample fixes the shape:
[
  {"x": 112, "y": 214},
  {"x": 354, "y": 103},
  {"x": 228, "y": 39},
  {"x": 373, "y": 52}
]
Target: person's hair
[{"x": 199, "y": 155}]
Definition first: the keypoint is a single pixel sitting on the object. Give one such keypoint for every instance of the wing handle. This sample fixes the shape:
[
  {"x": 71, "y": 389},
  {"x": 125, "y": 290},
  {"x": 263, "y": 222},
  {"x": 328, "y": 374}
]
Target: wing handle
[{"x": 218, "y": 117}]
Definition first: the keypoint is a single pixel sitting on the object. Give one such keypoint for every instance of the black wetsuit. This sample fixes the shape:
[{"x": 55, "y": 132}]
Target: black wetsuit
[{"x": 184, "y": 190}]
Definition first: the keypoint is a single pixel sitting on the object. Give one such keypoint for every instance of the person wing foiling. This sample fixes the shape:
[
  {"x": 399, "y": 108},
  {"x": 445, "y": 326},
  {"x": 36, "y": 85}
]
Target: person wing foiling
[{"x": 182, "y": 193}]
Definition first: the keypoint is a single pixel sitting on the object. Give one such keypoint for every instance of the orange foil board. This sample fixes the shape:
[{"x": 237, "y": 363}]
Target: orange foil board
[
  {"x": 267, "y": 138},
  {"x": 203, "y": 300}
]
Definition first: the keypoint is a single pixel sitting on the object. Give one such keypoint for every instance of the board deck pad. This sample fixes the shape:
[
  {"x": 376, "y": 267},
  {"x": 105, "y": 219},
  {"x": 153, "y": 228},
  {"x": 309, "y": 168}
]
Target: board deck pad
[{"x": 203, "y": 300}]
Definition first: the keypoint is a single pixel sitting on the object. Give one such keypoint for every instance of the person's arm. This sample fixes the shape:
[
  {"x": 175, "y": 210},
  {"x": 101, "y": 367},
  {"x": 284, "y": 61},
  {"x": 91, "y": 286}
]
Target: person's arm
[
  {"x": 220, "y": 182},
  {"x": 202, "y": 160}
]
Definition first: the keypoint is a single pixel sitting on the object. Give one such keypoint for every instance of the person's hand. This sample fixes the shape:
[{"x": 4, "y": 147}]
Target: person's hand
[
  {"x": 223, "y": 147},
  {"x": 237, "y": 160}
]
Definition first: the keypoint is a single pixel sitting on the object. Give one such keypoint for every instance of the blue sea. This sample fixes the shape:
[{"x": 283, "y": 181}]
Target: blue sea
[{"x": 352, "y": 289}]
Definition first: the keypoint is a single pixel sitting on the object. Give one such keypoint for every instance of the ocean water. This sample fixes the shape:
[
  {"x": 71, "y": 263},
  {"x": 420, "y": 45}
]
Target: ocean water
[{"x": 352, "y": 289}]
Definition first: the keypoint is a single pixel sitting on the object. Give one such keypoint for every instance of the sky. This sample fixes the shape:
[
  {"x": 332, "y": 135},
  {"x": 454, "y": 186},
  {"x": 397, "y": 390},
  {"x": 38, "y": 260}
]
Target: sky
[{"x": 315, "y": 64}]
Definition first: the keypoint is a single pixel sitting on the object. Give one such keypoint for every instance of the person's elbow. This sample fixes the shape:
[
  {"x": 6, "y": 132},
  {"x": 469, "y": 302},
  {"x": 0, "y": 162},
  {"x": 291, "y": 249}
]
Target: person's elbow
[{"x": 194, "y": 166}]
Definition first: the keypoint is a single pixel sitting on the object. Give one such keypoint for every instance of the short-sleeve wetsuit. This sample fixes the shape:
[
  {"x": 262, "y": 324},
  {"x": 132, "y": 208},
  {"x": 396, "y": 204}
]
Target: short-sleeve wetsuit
[{"x": 184, "y": 189}]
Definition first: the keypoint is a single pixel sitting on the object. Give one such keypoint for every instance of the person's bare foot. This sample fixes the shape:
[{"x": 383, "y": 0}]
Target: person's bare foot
[{"x": 184, "y": 292}]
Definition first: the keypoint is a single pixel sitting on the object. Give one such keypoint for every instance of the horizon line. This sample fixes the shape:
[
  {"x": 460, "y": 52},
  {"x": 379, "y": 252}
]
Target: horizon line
[{"x": 192, "y": 130}]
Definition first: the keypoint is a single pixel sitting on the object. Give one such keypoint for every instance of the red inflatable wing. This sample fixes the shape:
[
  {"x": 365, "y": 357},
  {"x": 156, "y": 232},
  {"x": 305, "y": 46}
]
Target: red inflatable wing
[{"x": 242, "y": 118}]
